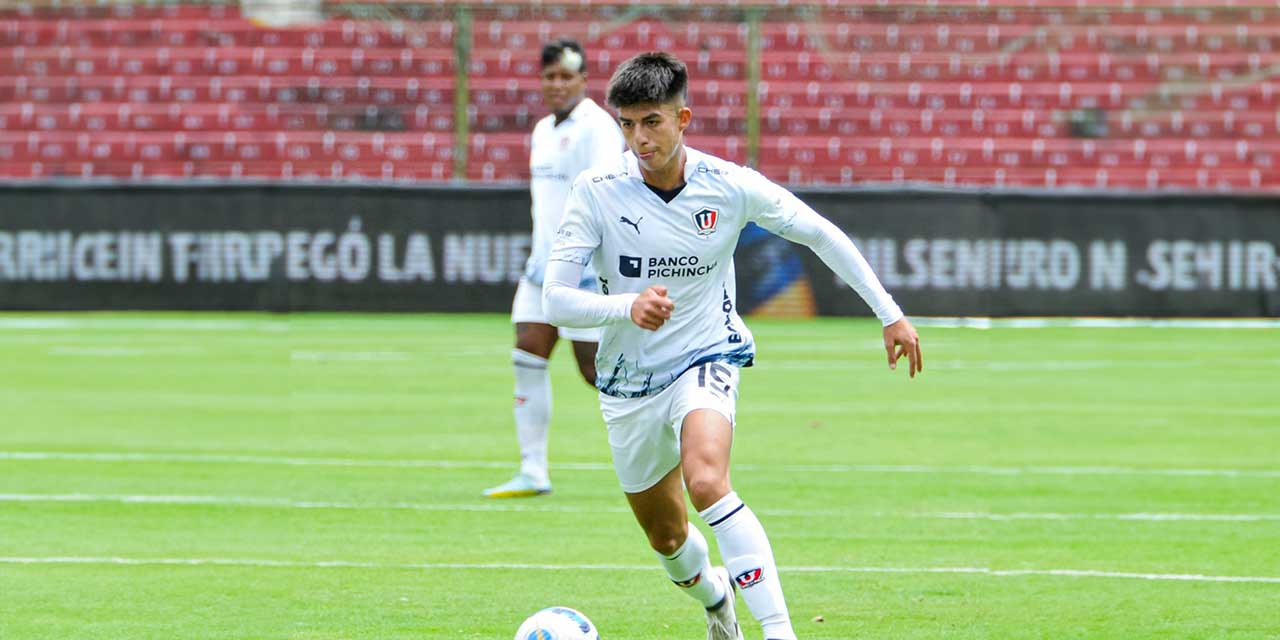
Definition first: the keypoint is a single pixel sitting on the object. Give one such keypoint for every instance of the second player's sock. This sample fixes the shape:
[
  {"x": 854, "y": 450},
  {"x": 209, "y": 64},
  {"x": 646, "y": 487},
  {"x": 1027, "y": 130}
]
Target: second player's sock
[
  {"x": 749, "y": 558},
  {"x": 690, "y": 568},
  {"x": 533, "y": 412}
]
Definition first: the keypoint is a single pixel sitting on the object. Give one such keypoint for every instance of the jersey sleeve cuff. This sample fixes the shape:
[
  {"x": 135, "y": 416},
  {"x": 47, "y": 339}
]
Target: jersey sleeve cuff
[
  {"x": 622, "y": 313},
  {"x": 890, "y": 314}
]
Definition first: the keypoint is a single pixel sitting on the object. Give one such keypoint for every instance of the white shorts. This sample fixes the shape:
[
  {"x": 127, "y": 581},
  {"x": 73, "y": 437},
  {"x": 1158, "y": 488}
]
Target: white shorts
[
  {"x": 527, "y": 307},
  {"x": 644, "y": 433}
]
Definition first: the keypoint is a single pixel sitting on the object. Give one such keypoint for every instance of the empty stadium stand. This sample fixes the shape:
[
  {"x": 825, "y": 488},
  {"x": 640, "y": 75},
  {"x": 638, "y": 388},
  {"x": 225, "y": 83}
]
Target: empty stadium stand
[{"x": 1096, "y": 95}]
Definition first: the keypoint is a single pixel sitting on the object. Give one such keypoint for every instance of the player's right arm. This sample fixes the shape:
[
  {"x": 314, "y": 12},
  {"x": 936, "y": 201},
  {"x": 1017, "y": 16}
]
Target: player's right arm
[
  {"x": 566, "y": 305},
  {"x": 652, "y": 308}
]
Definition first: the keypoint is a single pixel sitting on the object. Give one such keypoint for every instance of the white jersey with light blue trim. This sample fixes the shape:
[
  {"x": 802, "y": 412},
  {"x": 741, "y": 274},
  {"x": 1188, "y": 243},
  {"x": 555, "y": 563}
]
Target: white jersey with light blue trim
[{"x": 635, "y": 240}]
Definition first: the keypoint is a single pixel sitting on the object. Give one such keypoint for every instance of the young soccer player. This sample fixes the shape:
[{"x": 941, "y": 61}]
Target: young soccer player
[
  {"x": 659, "y": 224},
  {"x": 577, "y": 134}
]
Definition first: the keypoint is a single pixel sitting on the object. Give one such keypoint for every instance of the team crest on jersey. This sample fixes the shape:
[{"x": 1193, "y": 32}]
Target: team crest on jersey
[{"x": 705, "y": 221}]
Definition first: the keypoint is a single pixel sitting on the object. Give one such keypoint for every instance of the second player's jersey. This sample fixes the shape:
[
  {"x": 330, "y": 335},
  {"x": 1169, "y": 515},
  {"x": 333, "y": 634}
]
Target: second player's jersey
[
  {"x": 635, "y": 240},
  {"x": 557, "y": 154}
]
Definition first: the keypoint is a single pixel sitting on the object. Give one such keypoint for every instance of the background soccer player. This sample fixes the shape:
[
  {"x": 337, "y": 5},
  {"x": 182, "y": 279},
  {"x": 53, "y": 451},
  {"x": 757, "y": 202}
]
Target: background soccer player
[
  {"x": 660, "y": 225},
  {"x": 576, "y": 135}
]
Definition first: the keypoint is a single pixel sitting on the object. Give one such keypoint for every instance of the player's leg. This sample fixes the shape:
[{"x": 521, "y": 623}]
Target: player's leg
[
  {"x": 536, "y": 338},
  {"x": 534, "y": 342},
  {"x": 585, "y": 353},
  {"x": 646, "y": 457},
  {"x": 683, "y": 552},
  {"x": 706, "y": 440}
]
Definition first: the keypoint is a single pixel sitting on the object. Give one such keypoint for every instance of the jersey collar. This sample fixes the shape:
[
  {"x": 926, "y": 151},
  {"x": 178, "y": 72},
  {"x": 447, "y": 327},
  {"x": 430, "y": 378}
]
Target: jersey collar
[{"x": 692, "y": 160}]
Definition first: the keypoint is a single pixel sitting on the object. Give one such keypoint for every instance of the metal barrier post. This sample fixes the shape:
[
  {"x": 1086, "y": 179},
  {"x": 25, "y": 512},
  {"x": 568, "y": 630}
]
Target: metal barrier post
[{"x": 461, "y": 90}]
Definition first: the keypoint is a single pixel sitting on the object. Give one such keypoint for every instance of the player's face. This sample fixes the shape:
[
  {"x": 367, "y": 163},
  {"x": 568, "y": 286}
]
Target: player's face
[
  {"x": 654, "y": 132},
  {"x": 562, "y": 88}
]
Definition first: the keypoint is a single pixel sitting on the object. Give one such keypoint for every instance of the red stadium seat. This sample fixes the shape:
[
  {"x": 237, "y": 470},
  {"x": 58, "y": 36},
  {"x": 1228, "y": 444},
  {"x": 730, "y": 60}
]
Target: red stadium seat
[{"x": 1003, "y": 93}]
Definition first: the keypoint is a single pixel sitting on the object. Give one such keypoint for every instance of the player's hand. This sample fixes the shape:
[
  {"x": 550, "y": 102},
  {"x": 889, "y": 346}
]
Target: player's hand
[
  {"x": 652, "y": 308},
  {"x": 901, "y": 339}
]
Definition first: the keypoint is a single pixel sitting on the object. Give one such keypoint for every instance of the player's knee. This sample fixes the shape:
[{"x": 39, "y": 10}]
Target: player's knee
[
  {"x": 588, "y": 373},
  {"x": 667, "y": 540},
  {"x": 705, "y": 489},
  {"x": 536, "y": 339},
  {"x": 534, "y": 346}
]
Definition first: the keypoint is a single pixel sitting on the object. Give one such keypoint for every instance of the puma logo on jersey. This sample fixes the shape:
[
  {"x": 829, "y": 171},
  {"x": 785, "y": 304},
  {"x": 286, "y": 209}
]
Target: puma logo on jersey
[{"x": 636, "y": 224}]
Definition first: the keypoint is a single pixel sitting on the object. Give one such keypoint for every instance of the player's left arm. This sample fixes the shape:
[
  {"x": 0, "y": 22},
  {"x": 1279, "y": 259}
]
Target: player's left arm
[{"x": 781, "y": 212}]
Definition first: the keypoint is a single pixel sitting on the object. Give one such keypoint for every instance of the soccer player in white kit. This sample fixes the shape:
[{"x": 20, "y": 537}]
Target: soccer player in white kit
[
  {"x": 574, "y": 136},
  {"x": 659, "y": 224}
]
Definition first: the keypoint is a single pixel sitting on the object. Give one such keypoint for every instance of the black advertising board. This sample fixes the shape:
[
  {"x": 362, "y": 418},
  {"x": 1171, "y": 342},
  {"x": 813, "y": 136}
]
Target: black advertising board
[
  {"x": 1018, "y": 255},
  {"x": 314, "y": 247},
  {"x": 271, "y": 248}
]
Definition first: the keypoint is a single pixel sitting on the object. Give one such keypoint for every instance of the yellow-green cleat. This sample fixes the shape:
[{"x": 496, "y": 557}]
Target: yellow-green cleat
[{"x": 521, "y": 486}]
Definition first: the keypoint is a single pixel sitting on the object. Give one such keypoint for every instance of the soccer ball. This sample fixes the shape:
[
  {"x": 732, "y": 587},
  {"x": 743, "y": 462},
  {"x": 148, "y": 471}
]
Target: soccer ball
[{"x": 557, "y": 623}]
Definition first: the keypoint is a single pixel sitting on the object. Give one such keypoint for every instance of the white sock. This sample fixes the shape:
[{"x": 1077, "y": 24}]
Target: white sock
[
  {"x": 533, "y": 412},
  {"x": 690, "y": 568},
  {"x": 749, "y": 558}
]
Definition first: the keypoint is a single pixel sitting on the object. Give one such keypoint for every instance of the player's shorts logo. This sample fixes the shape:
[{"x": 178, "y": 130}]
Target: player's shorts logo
[
  {"x": 629, "y": 266},
  {"x": 705, "y": 221},
  {"x": 749, "y": 578}
]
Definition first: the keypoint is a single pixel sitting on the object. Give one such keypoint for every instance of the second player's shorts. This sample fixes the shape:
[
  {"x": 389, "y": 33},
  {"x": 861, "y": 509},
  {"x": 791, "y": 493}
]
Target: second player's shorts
[
  {"x": 644, "y": 433},
  {"x": 527, "y": 307}
]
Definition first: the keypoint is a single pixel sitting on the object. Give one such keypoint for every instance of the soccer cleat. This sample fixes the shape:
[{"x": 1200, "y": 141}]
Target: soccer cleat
[
  {"x": 722, "y": 622},
  {"x": 521, "y": 486}
]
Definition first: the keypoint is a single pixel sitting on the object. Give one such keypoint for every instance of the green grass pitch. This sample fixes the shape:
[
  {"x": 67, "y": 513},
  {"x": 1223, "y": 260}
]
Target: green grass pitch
[{"x": 318, "y": 476}]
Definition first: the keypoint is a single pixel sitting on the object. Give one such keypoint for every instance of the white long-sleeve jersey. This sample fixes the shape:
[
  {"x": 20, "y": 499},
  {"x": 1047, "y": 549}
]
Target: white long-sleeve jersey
[
  {"x": 557, "y": 154},
  {"x": 635, "y": 240}
]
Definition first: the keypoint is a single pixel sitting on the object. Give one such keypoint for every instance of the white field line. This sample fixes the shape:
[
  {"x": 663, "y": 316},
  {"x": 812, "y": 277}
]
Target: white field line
[
  {"x": 120, "y": 352},
  {"x": 285, "y": 503},
  {"x": 348, "y": 356},
  {"x": 501, "y": 566},
  {"x": 36, "y": 456},
  {"x": 970, "y": 365},
  {"x": 1145, "y": 517},
  {"x": 108, "y": 323},
  {"x": 1096, "y": 323},
  {"x": 63, "y": 323},
  {"x": 1145, "y": 410}
]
